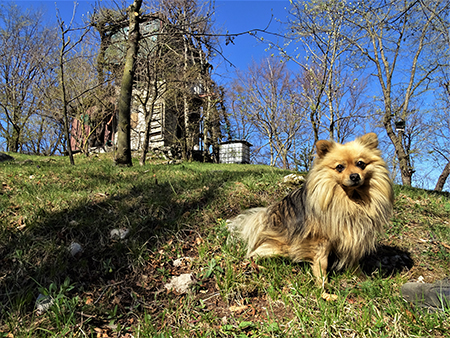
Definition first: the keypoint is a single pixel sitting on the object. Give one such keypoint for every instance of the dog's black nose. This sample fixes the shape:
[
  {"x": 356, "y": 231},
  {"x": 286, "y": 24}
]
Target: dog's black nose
[{"x": 355, "y": 178}]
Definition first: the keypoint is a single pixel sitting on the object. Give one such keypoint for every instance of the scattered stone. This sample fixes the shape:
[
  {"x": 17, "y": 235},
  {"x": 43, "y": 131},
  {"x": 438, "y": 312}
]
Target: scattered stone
[
  {"x": 238, "y": 309},
  {"x": 294, "y": 179},
  {"x": 43, "y": 303},
  {"x": 180, "y": 261},
  {"x": 73, "y": 223},
  {"x": 119, "y": 233},
  {"x": 5, "y": 157},
  {"x": 75, "y": 249},
  {"x": 180, "y": 284}
]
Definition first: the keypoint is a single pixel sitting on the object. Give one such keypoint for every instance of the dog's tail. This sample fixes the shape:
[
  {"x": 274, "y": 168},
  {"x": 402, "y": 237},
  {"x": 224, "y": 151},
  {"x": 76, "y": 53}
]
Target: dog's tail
[{"x": 251, "y": 227}]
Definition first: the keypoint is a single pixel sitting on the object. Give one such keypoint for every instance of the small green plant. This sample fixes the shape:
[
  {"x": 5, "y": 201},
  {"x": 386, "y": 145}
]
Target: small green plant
[
  {"x": 212, "y": 269},
  {"x": 59, "y": 307}
]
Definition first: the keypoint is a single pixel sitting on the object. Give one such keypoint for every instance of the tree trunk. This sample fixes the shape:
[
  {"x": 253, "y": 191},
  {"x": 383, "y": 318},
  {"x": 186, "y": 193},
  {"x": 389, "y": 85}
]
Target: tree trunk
[
  {"x": 443, "y": 178},
  {"x": 314, "y": 123},
  {"x": 207, "y": 130},
  {"x": 13, "y": 142},
  {"x": 403, "y": 157},
  {"x": 64, "y": 95},
  {"x": 123, "y": 155},
  {"x": 186, "y": 132},
  {"x": 186, "y": 148}
]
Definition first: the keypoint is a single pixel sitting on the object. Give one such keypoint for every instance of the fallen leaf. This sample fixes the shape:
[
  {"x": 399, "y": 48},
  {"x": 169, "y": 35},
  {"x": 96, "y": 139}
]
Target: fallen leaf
[
  {"x": 245, "y": 264},
  {"x": 255, "y": 266},
  {"x": 286, "y": 290},
  {"x": 410, "y": 315},
  {"x": 329, "y": 297},
  {"x": 445, "y": 245},
  {"x": 21, "y": 223},
  {"x": 98, "y": 331},
  {"x": 253, "y": 309},
  {"x": 238, "y": 309}
]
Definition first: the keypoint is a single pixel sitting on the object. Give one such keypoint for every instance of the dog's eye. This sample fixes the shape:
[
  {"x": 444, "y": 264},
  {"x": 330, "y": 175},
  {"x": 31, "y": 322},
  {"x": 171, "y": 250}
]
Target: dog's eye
[
  {"x": 340, "y": 168},
  {"x": 361, "y": 164}
]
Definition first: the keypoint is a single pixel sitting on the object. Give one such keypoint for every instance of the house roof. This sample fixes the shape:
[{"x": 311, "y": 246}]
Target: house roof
[{"x": 238, "y": 141}]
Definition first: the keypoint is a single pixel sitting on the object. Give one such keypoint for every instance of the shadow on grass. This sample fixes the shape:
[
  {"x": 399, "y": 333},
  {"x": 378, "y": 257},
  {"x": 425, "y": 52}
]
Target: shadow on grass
[
  {"x": 153, "y": 209},
  {"x": 387, "y": 260}
]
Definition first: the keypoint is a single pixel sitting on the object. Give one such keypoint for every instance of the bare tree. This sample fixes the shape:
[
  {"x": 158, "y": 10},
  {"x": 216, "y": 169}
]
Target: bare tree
[
  {"x": 66, "y": 47},
  {"x": 191, "y": 43},
  {"x": 440, "y": 123},
  {"x": 440, "y": 142},
  {"x": 268, "y": 98},
  {"x": 400, "y": 43},
  {"x": 331, "y": 88},
  {"x": 398, "y": 40},
  {"x": 43, "y": 135},
  {"x": 214, "y": 112},
  {"x": 152, "y": 71},
  {"x": 26, "y": 54},
  {"x": 171, "y": 69},
  {"x": 240, "y": 126}
]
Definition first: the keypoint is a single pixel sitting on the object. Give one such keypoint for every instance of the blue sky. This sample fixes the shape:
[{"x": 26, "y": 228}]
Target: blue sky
[{"x": 241, "y": 16}]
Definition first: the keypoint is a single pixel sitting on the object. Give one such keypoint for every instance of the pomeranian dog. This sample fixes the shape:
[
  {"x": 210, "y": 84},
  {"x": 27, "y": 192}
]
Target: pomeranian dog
[{"x": 344, "y": 203}]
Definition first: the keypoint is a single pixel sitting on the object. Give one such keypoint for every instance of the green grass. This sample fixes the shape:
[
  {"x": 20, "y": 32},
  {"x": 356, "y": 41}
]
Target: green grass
[{"x": 115, "y": 287}]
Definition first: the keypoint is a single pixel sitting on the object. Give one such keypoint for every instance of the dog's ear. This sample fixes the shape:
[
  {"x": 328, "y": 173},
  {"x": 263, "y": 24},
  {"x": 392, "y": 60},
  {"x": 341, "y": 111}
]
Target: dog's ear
[
  {"x": 323, "y": 147},
  {"x": 369, "y": 140}
]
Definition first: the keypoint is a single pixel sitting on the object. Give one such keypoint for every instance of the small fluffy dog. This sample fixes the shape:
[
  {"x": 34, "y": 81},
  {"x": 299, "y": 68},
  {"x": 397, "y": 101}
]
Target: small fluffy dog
[{"x": 345, "y": 201}]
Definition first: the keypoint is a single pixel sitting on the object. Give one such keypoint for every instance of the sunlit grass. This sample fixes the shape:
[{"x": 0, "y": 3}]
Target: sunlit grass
[{"x": 115, "y": 287}]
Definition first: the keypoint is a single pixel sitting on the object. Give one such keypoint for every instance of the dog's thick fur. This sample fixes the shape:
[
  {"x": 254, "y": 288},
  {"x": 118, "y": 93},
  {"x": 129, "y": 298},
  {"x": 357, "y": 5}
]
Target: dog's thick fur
[{"x": 345, "y": 201}]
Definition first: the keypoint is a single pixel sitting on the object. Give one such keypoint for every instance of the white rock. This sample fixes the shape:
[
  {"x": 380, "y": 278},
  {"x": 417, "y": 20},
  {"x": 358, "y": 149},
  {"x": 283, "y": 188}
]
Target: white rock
[
  {"x": 75, "y": 248},
  {"x": 178, "y": 262},
  {"x": 119, "y": 233},
  {"x": 181, "y": 283},
  {"x": 43, "y": 303}
]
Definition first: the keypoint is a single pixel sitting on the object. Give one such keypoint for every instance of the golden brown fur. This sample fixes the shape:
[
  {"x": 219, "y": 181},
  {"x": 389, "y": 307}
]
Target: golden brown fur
[{"x": 345, "y": 201}]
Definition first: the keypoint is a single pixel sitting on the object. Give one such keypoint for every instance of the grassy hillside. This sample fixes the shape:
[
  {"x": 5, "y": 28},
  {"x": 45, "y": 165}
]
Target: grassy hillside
[{"x": 114, "y": 287}]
